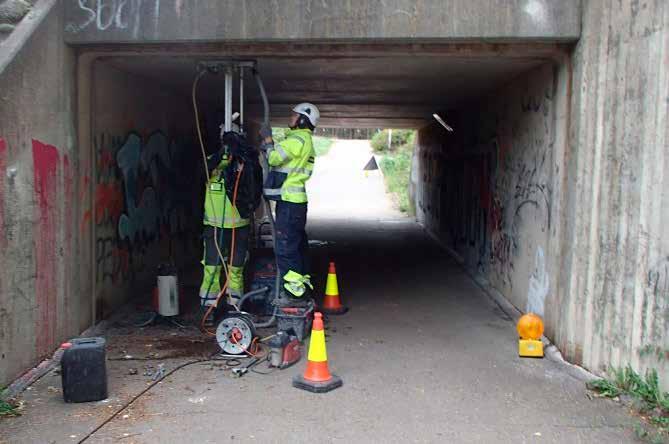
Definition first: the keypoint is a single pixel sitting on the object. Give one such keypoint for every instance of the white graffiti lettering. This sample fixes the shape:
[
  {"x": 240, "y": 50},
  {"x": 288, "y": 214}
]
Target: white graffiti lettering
[
  {"x": 91, "y": 13},
  {"x": 116, "y": 15},
  {"x": 539, "y": 285}
]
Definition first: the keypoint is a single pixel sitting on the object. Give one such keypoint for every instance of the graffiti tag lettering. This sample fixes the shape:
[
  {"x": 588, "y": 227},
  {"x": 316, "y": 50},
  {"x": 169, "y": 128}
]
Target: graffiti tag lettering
[{"x": 115, "y": 14}]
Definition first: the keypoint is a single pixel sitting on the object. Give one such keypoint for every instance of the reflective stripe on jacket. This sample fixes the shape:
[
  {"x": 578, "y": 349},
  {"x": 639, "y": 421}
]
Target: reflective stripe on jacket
[
  {"x": 292, "y": 163},
  {"x": 218, "y": 210}
]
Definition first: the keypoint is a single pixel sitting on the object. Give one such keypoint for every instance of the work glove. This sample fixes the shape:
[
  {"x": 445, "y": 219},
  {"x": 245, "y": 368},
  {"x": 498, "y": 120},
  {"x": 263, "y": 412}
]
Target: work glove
[
  {"x": 265, "y": 131},
  {"x": 265, "y": 147}
]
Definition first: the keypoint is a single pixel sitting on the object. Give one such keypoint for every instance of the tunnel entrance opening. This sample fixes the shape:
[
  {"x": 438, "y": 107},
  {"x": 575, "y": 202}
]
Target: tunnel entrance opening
[{"x": 147, "y": 190}]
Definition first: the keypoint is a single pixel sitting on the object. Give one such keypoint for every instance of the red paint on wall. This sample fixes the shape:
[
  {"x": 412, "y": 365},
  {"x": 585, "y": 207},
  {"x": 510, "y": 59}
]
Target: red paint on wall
[
  {"x": 85, "y": 221},
  {"x": 105, "y": 161},
  {"x": 45, "y": 166},
  {"x": 108, "y": 203}
]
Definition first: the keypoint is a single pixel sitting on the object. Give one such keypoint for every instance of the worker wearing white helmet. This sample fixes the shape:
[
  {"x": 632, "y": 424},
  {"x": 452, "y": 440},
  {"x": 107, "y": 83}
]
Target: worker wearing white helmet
[{"x": 291, "y": 165}]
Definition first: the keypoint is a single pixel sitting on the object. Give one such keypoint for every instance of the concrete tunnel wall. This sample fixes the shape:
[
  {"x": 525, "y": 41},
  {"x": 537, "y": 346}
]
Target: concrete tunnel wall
[
  {"x": 44, "y": 259},
  {"x": 552, "y": 190},
  {"x": 489, "y": 191},
  {"x": 92, "y": 186},
  {"x": 146, "y": 183}
]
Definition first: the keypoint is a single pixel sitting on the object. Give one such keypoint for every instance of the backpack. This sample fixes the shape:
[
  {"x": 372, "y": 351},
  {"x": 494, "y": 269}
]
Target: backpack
[{"x": 249, "y": 190}]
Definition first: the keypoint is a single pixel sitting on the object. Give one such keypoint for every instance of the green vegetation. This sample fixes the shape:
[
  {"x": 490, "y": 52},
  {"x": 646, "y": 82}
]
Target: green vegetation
[
  {"x": 321, "y": 144},
  {"x": 399, "y": 139},
  {"x": 9, "y": 408},
  {"x": 648, "y": 399},
  {"x": 396, "y": 164}
]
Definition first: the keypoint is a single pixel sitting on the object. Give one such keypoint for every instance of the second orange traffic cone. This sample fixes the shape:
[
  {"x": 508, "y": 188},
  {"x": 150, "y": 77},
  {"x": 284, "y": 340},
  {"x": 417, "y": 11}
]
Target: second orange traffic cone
[
  {"x": 332, "y": 303},
  {"x": 317, "y": 377}
]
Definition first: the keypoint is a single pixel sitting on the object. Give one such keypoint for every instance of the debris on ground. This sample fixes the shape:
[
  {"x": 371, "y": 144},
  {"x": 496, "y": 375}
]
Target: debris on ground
[{"x": 160, "y": 373}]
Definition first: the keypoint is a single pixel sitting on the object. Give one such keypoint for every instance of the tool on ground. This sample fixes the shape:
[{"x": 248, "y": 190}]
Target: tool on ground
[
  {"x": 284, "y": 350},
  {"x": 241, "y": 371},
  {"x": 296, "y": 320},
  {"x": 530, "y": 327},
  {"x": 331, "y": 303},
  {"x": 317, "y": 377},
  {"x": 160, "y": 373}
]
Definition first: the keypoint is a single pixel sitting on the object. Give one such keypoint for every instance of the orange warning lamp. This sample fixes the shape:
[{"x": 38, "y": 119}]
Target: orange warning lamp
[{"x": 530, "y": 328}]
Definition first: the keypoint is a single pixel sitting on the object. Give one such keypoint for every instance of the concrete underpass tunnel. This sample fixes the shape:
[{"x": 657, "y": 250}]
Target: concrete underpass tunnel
[
  {"x": 148, "y": 164},
  {"x": 547, "y": 196}
]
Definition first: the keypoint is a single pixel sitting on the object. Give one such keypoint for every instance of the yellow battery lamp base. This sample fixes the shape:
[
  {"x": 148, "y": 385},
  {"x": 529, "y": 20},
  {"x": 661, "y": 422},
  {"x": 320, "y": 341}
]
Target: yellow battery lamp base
[{"x": 530, "y": 348}]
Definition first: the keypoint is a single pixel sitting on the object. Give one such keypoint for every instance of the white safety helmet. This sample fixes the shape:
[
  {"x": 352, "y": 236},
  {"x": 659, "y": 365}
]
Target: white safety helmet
[{"x": 309, "y": 111}]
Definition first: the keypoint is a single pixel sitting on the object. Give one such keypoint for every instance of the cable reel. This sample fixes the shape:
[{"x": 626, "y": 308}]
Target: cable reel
[{"x": 235, "y": 333}]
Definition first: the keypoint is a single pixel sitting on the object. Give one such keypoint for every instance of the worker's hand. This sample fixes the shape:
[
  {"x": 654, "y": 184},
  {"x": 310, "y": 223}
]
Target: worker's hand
[
  {"x": 266, "y": 146},
  {"x": 265, "y": 131}
]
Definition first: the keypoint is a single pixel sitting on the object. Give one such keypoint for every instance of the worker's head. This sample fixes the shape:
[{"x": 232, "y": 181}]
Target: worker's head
[{"x": 305, "y": 115}]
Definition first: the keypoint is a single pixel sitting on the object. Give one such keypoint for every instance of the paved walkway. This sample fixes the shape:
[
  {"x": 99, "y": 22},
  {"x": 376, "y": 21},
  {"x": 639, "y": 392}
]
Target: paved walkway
[
  {"x": 425, "y": 357},
  {"x": 340, "y": 189}
]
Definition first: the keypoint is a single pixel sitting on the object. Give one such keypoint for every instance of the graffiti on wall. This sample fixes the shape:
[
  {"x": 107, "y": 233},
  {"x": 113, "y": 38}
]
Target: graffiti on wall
[
  {"x": 112, "y": 261},
  {"x": 539, "y": 285},
  {"x": 106, "y": 15},
  {"x": 45, "y": 167},
  {"x": 142, "y": 196},
  {"x": 491, "y": 185},
  {"x": 45, "y": 289}
]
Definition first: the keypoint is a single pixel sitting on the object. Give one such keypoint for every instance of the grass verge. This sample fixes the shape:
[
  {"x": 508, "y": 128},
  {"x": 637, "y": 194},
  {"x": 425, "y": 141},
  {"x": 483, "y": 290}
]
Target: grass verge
[
  {"x": 647, "y": 398},
  {"x": 10, "y": 408},
  {"x": 396, "y": 167}
]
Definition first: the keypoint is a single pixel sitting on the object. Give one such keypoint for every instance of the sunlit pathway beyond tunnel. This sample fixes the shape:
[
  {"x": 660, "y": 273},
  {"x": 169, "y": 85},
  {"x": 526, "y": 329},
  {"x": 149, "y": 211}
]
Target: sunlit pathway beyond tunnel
[{"x": 340, "y": 189}]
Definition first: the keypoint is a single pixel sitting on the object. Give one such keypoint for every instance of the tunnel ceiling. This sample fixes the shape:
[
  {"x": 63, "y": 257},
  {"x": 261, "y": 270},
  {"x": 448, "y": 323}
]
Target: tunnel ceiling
[{"x": 371, "y": 91}]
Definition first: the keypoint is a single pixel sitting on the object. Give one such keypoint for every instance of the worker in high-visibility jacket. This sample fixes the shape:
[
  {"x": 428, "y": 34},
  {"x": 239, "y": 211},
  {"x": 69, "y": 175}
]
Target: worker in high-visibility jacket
[
  {"x": 220, "y": 217},
  {"x": 291, "y": 165}
]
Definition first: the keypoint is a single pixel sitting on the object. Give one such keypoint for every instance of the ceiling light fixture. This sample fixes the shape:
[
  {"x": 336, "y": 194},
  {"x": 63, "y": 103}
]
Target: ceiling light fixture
[{"x": 441, "y": 121}]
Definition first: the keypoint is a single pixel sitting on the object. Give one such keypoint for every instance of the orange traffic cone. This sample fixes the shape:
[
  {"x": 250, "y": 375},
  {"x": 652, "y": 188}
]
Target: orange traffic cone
[
  {"x": 317, "y": 377},
  {"x": 331, "y": 303}
]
